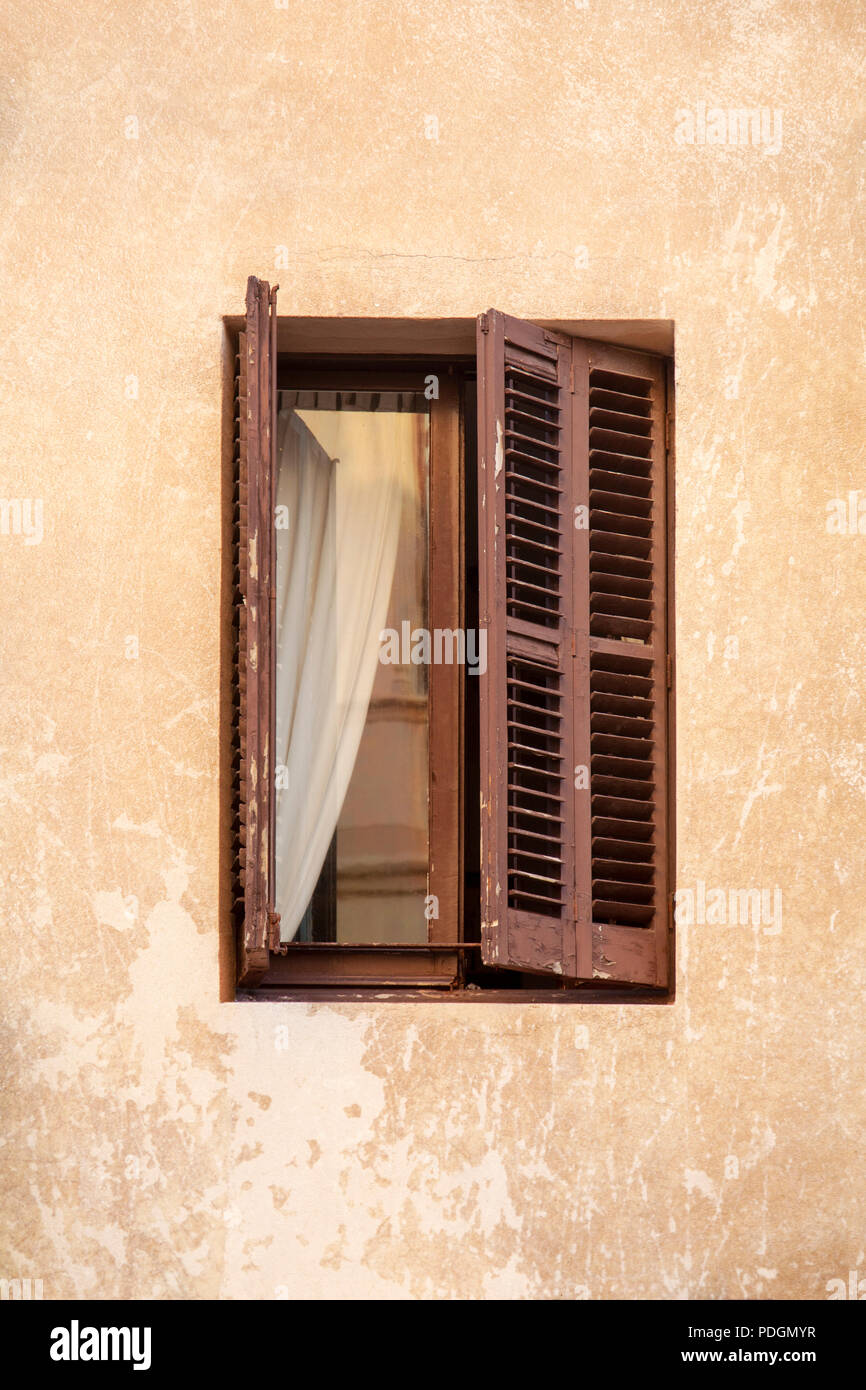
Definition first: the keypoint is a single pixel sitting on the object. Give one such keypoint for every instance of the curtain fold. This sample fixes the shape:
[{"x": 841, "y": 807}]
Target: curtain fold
[{"x": 335, "y": 570}]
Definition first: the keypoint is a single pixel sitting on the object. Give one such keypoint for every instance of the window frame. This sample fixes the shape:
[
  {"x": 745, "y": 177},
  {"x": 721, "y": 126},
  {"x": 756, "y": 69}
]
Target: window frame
[
  {"x": 433, "y": 971},
  {"x": 435, "y": 963}
]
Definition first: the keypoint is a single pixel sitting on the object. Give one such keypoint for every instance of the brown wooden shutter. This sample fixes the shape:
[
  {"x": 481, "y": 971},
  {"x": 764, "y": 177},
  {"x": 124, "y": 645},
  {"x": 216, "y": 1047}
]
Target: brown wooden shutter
[
  {"x": 525, "y": 605},
  {"x": 255, "y": 614},
  {"x": 575, "y": 877},
  {"x": 625, "y": 395}
]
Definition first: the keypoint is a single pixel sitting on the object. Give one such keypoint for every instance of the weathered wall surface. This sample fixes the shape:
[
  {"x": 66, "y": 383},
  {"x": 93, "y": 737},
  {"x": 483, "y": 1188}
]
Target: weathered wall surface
[{"x": 161, "y": 1143}]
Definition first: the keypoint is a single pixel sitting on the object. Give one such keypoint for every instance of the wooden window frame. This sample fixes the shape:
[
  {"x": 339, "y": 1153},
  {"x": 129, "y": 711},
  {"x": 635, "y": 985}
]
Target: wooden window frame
[
  {"x": 313, "y": 965},
  {"x": 268, "y": 969}
]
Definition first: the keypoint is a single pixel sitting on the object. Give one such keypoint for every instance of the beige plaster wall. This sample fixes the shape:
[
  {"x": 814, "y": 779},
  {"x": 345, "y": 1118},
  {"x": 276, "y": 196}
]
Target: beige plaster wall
[{"x": 160, "y": 1143}]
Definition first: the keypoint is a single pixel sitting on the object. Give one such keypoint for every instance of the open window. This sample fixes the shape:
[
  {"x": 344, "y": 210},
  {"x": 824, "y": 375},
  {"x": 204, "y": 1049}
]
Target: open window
[{"x": 453, "y": 717}]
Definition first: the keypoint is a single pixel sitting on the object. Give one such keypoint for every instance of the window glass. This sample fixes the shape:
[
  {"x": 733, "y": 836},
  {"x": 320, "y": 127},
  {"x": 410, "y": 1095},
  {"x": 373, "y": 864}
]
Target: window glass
[{"x": 352, "y": 707}]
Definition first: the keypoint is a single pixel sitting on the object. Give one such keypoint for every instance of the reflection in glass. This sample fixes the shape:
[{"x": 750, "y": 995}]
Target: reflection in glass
[{"x": 351, "y": 730}]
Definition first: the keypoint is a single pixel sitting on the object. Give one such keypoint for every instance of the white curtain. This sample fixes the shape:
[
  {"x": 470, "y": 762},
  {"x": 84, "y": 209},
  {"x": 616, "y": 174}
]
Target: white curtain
[{"x": 335, "y": 569}]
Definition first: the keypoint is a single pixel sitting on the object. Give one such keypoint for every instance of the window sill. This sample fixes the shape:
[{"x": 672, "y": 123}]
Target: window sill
[{"x": 586, "y": 994}]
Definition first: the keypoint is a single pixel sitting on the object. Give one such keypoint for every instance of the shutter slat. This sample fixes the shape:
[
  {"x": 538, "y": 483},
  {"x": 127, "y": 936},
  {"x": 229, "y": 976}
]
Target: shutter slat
[
  {"x": 628, "y": 425},
  {"x": 620, "y": 484},
  {"x": 620, "y": 462},
  {"x": 621, "y": 401},
  {"x": 623, "y": 870},
  {"x": 621, "y": 827},
  {"x": 618, "y": 743},
  {"x": 622, "y": 504},
  {"x": 613, "y": 563},
  {"x": 621, "y": 848},
  {"x": 614, "y": 910},
  {"x": 521, "y": 503},
  {"x": 628, "y": 446},
  {"x": 604, "y": 582}
]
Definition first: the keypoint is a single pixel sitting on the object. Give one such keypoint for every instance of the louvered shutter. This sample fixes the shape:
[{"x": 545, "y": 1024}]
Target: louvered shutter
[
  {"x": 628, "y": 657},
  {"x": 525, "y": 605},
  {"x": 254, "y": 611},
  {"x": 574, "y": 722}
]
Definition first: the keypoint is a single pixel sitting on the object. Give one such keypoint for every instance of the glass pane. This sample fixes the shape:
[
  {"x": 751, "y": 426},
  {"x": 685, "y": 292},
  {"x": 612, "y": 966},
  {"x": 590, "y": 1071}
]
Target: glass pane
[{"x": 352, "y": 852}]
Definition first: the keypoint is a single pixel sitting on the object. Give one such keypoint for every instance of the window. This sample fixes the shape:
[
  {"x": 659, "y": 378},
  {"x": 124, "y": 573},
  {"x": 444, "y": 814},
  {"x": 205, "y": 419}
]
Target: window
[{"x": 453, "y": 723}]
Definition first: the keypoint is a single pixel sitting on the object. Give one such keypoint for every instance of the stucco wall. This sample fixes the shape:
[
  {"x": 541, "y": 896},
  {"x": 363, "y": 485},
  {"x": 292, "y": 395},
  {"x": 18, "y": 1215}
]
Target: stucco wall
[{"x": 159, "y": 1142}]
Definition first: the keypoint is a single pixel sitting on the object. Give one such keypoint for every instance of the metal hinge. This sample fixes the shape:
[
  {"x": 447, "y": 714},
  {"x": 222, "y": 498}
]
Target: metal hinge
[
  {"x": 670, "y": 671},
  {"x": 671, "y": 909},
  {"x": 667, "y": 432}
]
